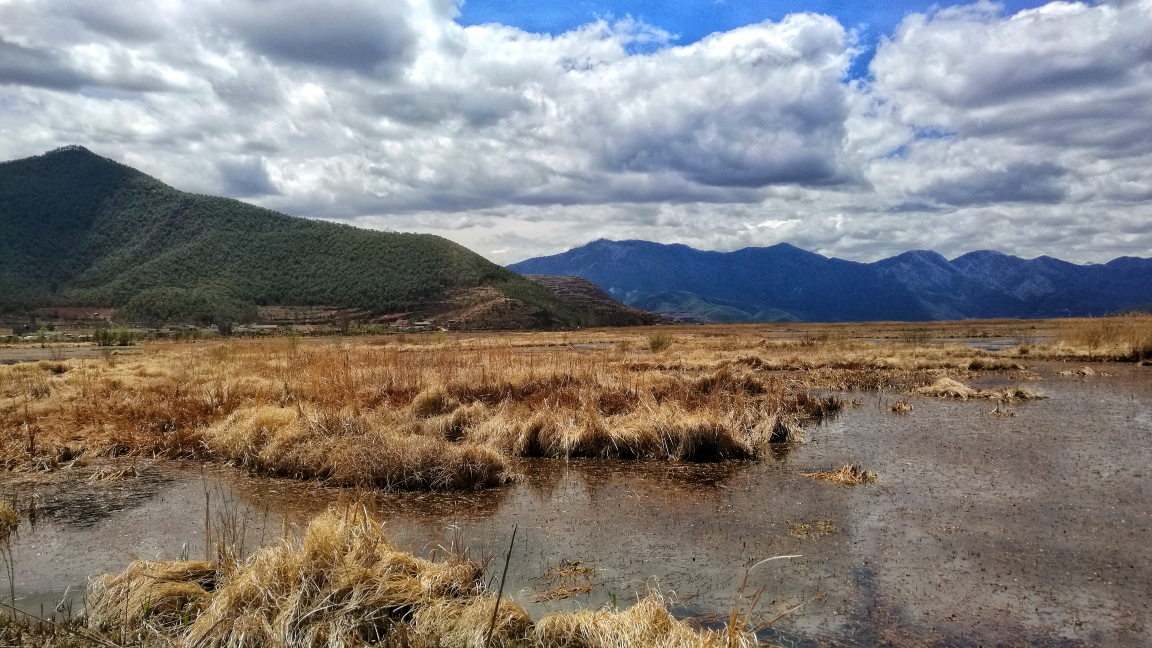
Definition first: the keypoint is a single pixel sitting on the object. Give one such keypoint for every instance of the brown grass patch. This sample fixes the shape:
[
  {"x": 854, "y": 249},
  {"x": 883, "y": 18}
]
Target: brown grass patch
[
  {"x": 811, "y": 529},
  {"x": 561, "y": 592},
  {"x": 398, "y": 414},
  {"x": 160, "y": 596},
  {"x": 849, "y": 475},
  {"x": 647, "y": 623},
  {"x": 572, "y": 569},
  {"x": 949, "y": 388}
]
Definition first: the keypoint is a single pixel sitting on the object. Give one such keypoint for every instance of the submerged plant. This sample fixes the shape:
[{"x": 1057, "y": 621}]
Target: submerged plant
[{"x": 849, "y": 475}]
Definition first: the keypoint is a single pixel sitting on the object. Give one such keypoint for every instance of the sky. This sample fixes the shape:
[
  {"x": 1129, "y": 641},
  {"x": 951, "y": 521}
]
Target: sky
[{"x": 524, "y": 129}]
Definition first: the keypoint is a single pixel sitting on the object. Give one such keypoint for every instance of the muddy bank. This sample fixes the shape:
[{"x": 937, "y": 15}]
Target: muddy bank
[{"x": 1026, "y": 530}]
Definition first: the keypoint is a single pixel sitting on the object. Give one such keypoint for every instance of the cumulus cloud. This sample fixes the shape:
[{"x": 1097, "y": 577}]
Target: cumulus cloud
[
  {"x": 1018, "y": 182},
  {"x": 1026, "y": 132},
  {"x": 363, "y": 35}
]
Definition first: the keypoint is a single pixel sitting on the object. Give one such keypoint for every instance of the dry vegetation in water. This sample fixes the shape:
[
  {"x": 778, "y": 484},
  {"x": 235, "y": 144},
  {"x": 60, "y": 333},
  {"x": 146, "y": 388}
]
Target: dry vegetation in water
[
  {"x": 344, "y": 584},
  {"x": 847, "y": 476},
  {"x": 807, "y": 530},
  {"x": 439, "y": 416},
  {"x": 409, "y": 413},
  {"x": 949, "y": 388}
]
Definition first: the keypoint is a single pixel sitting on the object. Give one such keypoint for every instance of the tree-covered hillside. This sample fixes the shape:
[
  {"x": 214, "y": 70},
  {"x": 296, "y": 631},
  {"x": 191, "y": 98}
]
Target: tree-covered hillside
[{"x": 78, "y": 229}]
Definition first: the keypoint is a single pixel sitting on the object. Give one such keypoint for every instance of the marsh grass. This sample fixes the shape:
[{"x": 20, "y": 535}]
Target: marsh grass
[
  {"x": 344, "y": 584},
  {"x": 901, "y": 407},
  {"x": 949, "y": 388},
  {"x": 1108, "y": 338},
  {"x": 659, "y": 342},
  {"x": 409, "y": 413},
  {"x": 806, "y": 530},
  {"x": 561, "y": 592},
  {"x": 416, "y": 417},
  {"x": 849, "y": 475}
]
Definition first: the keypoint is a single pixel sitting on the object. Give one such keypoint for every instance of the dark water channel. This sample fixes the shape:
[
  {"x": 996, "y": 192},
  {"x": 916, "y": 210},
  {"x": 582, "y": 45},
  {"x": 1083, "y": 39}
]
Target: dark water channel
[{"x": 1029, "y": 530}]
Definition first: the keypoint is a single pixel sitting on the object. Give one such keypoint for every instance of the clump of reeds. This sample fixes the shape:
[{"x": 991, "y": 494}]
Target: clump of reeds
[
  {"x": 993, "y": 364},
  {"x": 647, "y": 623},
  {"x": 811, "y": 529},
  {"x": 948, "y": 388},
  {"x": 354, "y": 449},
  {"x": 9, "y": 522},
  {"x": 561, "y": 592},
  {"x": 1011, "y": 394},
  {"x": 659, "y": 342},
  {"x": 342, "y": 584},
  {"x": 154, "y": 595},
  {"x": 663, "y": 433},
  {"x": 465, "y": 621},
  {"x": 901, "y": 407},
  {"x": 849, "y": 475}
]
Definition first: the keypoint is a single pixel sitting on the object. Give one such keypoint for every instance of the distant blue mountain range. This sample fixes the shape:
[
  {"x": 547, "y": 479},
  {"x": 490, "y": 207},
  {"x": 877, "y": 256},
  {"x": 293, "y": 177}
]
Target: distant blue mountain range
[{"x": 783, "y": 282}]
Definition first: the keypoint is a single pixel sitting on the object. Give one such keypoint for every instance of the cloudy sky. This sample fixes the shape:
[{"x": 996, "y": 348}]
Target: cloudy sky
[{"x": 520, "y": 129}]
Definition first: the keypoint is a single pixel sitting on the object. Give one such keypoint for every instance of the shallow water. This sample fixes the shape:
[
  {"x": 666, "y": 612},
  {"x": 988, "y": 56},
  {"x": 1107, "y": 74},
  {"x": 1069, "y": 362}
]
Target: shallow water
[{"x": 1029, "y": 530}]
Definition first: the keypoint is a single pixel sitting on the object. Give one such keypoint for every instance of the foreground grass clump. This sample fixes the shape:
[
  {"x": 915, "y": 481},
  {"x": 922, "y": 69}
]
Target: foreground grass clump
[
  {"x": 153, "y": 594},
  {"x": 344, "y": 584}
]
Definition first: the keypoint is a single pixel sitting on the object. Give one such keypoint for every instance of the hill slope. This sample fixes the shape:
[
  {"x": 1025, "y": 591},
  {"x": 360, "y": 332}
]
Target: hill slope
[
  {"x": 603, "y": 309},
  {"x": 783, "y": 282},
  {"x": 78, "y": 229}
]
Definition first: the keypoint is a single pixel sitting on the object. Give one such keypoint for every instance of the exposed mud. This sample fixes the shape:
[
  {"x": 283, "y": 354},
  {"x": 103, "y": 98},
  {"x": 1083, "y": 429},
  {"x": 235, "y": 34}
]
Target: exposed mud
[{"x": 1032, "y": 529}]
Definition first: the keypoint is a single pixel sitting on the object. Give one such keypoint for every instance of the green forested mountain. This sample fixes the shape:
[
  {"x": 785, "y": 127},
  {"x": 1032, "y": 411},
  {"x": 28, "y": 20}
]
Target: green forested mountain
[{"x": 77, "y": 229}]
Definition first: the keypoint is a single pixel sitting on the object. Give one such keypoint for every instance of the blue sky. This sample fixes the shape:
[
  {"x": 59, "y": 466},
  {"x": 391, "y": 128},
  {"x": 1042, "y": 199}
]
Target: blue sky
[{"x": 691, "y": 20}]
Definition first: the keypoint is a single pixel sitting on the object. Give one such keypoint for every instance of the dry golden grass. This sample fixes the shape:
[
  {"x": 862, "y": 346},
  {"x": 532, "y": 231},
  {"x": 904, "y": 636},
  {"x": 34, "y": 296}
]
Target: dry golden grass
[
  {"x": 901, "y": 407},
  {"x": 647, "y": 623},
  {"x": 949, "y": 388},
  {"x": 159, "y": 596},
  {"x": 402, "y": 417},
  {"x": 811, "y": 529},
  {"x": 1107, "y": 338},
  {"x": 847, "y": 476},
  {"x": 418, "y": 413},
  {"x": 9, "y": 523},
  {"x": 572, "y": 569},
  {"x": 344, "y": 584},
  {"x": 561, "y": 592}
]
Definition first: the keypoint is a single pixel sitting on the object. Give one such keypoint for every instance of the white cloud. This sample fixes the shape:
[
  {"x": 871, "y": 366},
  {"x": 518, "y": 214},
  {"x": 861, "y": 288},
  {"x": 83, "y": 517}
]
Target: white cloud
[{"x": 1024, "y": 133}]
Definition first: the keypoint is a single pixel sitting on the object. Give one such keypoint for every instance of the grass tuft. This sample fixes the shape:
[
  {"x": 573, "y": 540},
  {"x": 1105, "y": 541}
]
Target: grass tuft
[{"x": 849, "y": 475}]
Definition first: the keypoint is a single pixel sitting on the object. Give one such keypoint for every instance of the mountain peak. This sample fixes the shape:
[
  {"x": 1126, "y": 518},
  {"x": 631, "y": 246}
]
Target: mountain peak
[{"x": 69, "y": 149}]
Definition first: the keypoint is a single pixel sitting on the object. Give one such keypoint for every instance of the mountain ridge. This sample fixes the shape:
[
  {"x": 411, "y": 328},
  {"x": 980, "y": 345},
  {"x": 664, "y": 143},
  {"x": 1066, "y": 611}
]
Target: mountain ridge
[
  {"x": 785, "y": 282},
  {"x": 78, "y": 229}
]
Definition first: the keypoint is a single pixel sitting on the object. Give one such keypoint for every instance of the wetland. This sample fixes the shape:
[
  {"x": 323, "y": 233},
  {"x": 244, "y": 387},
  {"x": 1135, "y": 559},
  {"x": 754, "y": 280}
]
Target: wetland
[{"x": 993, "y": 520}]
